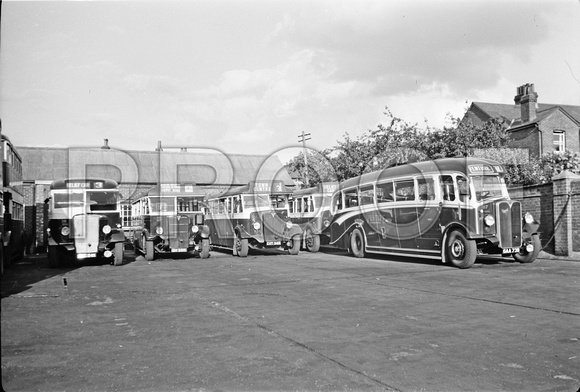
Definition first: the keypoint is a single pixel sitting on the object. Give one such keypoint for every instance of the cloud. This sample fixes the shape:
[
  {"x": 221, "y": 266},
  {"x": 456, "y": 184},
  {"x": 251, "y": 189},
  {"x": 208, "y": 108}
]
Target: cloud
[{"x": 402, "y": 45}]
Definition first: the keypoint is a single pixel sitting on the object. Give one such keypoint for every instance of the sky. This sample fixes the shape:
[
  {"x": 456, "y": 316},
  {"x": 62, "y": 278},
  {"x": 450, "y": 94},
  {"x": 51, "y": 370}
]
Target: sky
[{"x": 249, "y": 76}]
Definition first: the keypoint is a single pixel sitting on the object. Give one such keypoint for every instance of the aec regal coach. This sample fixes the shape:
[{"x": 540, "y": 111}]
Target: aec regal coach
[{"x": 453, "y": 209}]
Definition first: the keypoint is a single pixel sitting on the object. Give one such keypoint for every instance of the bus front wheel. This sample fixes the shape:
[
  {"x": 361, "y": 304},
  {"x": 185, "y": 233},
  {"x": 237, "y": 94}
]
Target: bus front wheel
[
  {"x": 118, "y": 253},
  {"x": 357, "y": 243},
  {"x": 241, "y": 247},
  {"x": 53, "y": 261},
  {"x": 204, "y": 254},
  {"x": 148, "y": 247},
  {"x": 461, "y": 251},
  {"x": 312, "y": 241},
  {"x": 529, "y": 257},
  {"x": 294, "y": 245}
]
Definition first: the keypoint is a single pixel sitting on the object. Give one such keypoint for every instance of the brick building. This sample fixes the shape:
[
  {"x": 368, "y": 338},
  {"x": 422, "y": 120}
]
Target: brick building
[
  {"x": 136, "y": 172},
  {"x": 537, "y": 127}
]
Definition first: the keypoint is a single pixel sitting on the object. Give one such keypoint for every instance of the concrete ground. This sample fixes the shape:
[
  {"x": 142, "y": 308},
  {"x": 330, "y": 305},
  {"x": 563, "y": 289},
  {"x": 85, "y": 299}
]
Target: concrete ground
[{"x": 323, "y": 321}]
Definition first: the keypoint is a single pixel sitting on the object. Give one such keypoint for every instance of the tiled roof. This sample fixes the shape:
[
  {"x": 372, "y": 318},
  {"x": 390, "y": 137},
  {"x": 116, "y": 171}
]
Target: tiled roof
[
  {"x": 512, "y": 112},
  {"x": 150, "y": 167}
]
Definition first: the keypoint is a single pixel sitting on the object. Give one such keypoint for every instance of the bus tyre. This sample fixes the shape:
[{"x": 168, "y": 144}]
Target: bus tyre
[
  {"x": 312, "y": 241},
  {"x": 529, "y": 257},
  {"x": 460, "y": 251},
  {"x": 357, "y": 243},
  {"x": 294, "y": 245},
  {"x": 204, "y": 254},
  {"x": 118, "y": 253},
  {"x": 149, "y": 250},
  {"x": 53, "y": 257},
  {"x": 241, "y": 247}
]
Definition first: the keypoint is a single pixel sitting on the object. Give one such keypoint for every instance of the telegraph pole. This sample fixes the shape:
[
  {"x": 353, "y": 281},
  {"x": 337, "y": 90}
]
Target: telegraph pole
[{"x": 302, "y": 138}]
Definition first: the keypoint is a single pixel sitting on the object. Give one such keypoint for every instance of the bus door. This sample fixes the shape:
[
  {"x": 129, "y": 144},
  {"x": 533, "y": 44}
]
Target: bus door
[
  {"x": 223, "y": 223},
  {"x": 385, "y": 196},
  {"x": 406, "y": 214},
  {"x": 428, "y": 214}
]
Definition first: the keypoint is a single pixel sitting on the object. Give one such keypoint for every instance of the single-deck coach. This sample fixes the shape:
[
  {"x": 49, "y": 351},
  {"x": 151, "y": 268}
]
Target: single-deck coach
[
  {"x": 253, "y": 216},
  {"x": 453, "y": 209}
]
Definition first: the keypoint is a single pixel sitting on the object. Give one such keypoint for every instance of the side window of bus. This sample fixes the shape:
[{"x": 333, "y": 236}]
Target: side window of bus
[
  {"x": 447, "y": 188},
  {"x": 350, "y": 198},
  {"x": 308, "y": 204},
  {"x": 336, "y": 202},
  {"x": 367, "y": 195},
  {"x": 426, "y": 187},
  {"x": 463, "y": 188},
  {"x": 222, "y": 206},
  {"x": 385, "y": 192},
  {"x": 237, "y": 205},
  {"x": 405, "y": 190}
]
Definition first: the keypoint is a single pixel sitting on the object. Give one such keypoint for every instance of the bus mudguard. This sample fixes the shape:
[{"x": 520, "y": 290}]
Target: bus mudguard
[
  {"x": 294, "y": 230},
  {"x": 204, "y": 232}
]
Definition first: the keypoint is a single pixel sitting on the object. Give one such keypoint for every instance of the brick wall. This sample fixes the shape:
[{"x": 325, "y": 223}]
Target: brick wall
[
  {"x": 561, "y": 122},
  {"x": 575, "y": 207},
  {"x": 557, "y": 206},
  {"x": 528, "y": 138},
  {"x": 537, "y": 200}
]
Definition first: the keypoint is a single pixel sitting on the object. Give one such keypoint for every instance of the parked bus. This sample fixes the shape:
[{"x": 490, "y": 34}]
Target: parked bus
[
  {"x": 11, "y": 204},
  {"x": 310, "y": 208},
  {"x": 453, "y": 209},
  {"x": 84, "y": 221},
  {"x": 253, "y": 216},
  {"x": 170, "y": 219}
]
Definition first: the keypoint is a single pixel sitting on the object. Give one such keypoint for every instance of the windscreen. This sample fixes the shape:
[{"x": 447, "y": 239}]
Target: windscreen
[
  {"x": 67, "y": 200},
  {"x": 102, "y": 200},
  {"x": 487, "y": 187},
  {"x": 162, "y": 204},
  {"x": 256, "y": 201}
]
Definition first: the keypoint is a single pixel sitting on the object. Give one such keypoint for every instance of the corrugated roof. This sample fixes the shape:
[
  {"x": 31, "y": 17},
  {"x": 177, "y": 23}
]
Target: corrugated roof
[{"x": 48, "y": 164}]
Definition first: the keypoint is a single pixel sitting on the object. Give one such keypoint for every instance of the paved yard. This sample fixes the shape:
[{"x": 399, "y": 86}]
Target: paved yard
[{"x": 322, "y": 321}]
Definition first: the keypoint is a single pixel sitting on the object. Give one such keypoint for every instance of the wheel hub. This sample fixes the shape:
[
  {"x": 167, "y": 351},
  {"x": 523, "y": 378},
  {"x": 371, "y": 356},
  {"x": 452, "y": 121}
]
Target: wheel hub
[{"x": 457, "y": 249}]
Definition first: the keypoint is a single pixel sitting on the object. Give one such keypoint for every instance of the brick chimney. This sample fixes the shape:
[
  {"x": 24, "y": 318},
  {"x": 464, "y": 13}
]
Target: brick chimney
[{"x": 527, "y": 98}]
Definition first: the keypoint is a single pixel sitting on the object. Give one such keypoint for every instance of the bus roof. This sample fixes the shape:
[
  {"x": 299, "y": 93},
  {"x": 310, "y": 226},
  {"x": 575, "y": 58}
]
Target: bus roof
[
  {"x": 466, "y": 165},
  {"x": 176, "y": 190},
  {"x": 322, "y": 188},
  {"x": 84, "y": 183},
  {"x": 255, "y": 187}
]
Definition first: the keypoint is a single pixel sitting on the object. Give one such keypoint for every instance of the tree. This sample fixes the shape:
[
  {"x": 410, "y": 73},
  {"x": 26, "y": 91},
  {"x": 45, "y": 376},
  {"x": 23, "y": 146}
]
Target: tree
[{"x": 320, "y": 168}]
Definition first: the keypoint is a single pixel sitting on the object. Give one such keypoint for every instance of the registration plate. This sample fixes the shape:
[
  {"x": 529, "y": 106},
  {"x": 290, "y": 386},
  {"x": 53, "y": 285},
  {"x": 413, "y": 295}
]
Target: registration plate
[
  {"x": 273, "y": 243},
  {"x": 179, "y": 250},
  {"x": 510, "y": 250}
]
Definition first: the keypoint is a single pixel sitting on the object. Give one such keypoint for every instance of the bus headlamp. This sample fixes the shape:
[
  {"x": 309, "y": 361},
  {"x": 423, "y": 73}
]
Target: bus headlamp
[
  {"x": 106, "y": 229},
  {"x": 326, "y": 222},
  {"x": 194, "y": 229},
  {"x": 528, "y": 218},
  {"x": 159, "y": 230},
  {"x": 489, "y": 220},
  {"x": 529, "y": 248},
  {"x": 257, "y": 226},
  {"x": 65, "y": 230},
  {"x": 288, "y": 225}
]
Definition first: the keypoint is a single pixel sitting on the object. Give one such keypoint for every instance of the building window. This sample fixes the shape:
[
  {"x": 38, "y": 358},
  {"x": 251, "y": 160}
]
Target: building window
[{"x": 559, "y": 141}]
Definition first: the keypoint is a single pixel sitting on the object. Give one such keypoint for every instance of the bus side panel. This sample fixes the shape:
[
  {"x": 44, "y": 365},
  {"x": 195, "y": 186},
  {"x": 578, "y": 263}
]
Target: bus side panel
[
  {"x": 429, "y": 223},
  {"x": 221, "y": 230}
]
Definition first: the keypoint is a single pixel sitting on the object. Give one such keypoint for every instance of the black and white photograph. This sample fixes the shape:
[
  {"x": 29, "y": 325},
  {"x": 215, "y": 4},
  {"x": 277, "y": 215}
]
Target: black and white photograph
[{"x": 290, "y": 195}]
